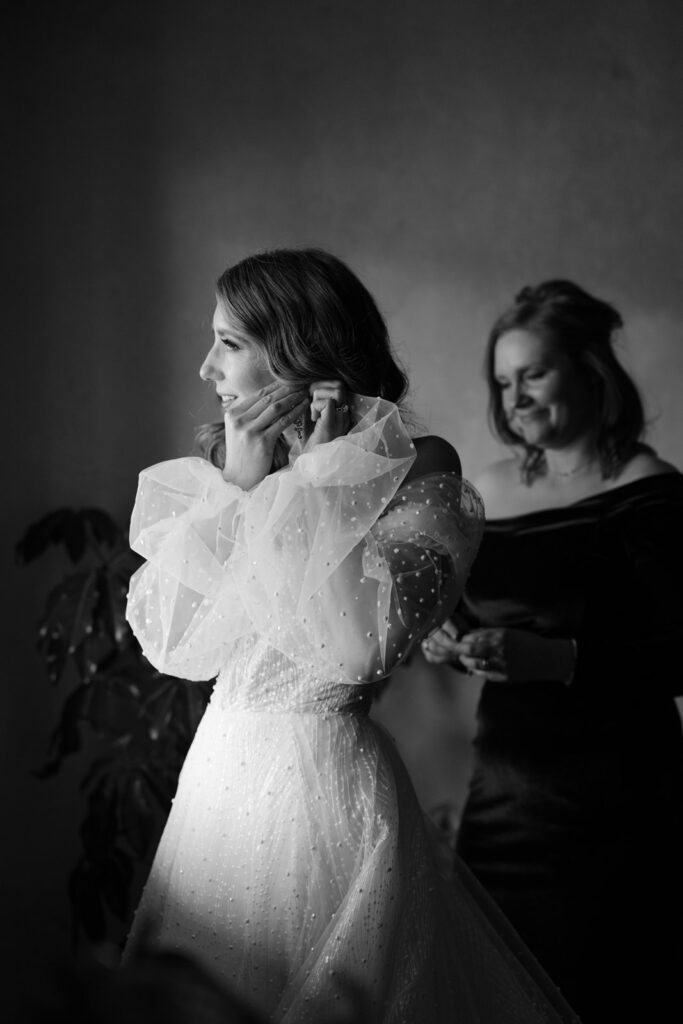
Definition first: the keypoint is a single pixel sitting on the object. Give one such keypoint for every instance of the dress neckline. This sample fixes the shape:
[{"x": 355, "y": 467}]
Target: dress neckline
[{"x": 643, "y": 483}]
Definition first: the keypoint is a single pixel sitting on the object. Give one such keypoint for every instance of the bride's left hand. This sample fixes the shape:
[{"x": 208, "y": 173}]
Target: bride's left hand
[{"x": 330, "y": 412}]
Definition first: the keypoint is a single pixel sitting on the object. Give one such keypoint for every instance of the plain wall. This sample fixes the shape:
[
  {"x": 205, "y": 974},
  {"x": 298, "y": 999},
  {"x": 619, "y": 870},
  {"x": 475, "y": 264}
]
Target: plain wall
[{"x": 450, "y": 151}]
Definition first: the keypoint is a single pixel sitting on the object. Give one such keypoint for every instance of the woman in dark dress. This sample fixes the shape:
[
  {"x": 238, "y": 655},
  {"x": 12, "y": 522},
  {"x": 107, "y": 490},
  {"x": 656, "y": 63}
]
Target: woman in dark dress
[{"x": 573, "y": 616}]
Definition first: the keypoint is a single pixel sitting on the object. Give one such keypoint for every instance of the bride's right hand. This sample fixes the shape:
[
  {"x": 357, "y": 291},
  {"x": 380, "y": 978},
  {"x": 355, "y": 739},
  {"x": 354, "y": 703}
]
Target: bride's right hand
[
  {"x": 330, "y": 412},
  {"x": 252, "y": 427}
]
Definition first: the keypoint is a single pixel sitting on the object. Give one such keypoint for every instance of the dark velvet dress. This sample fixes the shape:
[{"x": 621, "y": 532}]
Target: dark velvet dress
[{"x": 574, "y": 818}]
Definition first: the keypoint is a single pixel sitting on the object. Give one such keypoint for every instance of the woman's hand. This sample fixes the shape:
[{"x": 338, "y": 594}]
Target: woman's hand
[
  {"x": 440, "y": 647},
  {"x": 515, "y": 655},
  {"x": 253, "y": 425},
  {"x": 330, "y": 412}
]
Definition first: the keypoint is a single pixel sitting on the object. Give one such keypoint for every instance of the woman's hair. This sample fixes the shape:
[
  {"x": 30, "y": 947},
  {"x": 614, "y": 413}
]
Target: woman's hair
[
  {"x": 583, "y": 327},
  {"x": 315, "y": 321}
]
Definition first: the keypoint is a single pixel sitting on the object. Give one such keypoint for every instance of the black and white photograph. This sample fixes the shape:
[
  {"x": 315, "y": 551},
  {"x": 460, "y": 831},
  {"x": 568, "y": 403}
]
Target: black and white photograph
[{"x": 343, "y": 512}]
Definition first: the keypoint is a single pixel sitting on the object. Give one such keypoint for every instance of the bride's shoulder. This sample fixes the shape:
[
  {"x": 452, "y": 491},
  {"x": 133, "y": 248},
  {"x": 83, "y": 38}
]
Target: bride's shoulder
[{"x": 433, "y": 455}]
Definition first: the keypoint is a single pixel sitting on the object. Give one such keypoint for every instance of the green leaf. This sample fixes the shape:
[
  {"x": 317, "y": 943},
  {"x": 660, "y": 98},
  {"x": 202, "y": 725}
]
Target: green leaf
[
  {"x": 100, "y": 824},
  {"x": 102, "y": 527},
  {"x": 144, "y": 719},
  {"x": 39, "y": 536},
  {"x": 74, "y": 536},
  {"x": 68, "y": 619},
  {"x": 98, "y": 769},
  {"x": 140, "y": 818},
  {"x": 66, "y": 738},
  {"x": 111, "y": 612},
  {"x": 162, "y": 785}
]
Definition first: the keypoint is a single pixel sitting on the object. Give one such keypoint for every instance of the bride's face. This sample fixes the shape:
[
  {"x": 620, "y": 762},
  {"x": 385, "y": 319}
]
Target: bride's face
[{"x": 235, "y": 363}]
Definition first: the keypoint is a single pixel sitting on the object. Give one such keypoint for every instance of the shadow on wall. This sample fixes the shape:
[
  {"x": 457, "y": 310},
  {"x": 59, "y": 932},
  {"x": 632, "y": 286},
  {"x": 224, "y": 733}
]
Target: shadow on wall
[{"x": 83, "y": 315}]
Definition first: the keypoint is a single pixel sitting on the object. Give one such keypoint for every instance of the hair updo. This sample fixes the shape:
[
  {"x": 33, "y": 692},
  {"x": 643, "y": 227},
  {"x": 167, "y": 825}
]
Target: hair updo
[{"x": 584, "y": 328}]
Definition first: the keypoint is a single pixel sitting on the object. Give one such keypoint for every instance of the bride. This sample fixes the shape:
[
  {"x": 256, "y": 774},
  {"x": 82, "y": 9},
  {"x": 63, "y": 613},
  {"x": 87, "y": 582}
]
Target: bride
[{"x": 299, "y": 562}]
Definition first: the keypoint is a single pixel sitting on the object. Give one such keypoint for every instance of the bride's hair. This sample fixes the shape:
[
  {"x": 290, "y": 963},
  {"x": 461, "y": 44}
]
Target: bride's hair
[
  {"x": 315, "y": 321},
  {"x": 584, "y": 327}
]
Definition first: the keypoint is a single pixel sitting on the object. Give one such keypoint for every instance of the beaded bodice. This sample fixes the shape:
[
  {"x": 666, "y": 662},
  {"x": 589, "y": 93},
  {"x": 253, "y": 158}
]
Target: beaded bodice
[{"x": 259, "y": 678}]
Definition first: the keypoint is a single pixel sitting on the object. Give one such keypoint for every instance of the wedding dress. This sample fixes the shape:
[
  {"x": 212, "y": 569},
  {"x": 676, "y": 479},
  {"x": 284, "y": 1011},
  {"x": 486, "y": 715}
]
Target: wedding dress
[{"x": 296, "y": 865}]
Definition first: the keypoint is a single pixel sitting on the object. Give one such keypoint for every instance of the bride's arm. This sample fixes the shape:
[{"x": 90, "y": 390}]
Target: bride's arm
[
  {"x": 406, "y": 577},
  {"x": 327, "y": 560},
  {"x": 407, "y": 574},
  {"x": 185, "y": 523},
  {"x": 361, "y": 562},
  {"x": 223, "y": 563}
]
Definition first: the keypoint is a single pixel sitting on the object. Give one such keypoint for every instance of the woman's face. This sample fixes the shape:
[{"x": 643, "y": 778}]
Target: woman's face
[
  {"x": 235, "y": 363},
  {"x": 545, "y": 398}
]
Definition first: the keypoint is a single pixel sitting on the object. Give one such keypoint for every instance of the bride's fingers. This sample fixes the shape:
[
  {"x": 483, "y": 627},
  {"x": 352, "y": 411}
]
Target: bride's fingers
[
  {"x": 293, "y": 409},
  {"x": 252, "y": 404},
  {"x": 332, "y": 422},
  {"x": 281, "y": 405},
  {"x": 268, "y": 408},
  {"x": 328, "y": 413},
  {"x": 331, "y": 404},
  {"x": 324, "y": 391},
  {"x": 321, "y": 410}
]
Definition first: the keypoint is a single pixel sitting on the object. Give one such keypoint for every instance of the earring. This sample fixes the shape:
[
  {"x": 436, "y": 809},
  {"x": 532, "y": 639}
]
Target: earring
[{"x": 299, "y": 427}]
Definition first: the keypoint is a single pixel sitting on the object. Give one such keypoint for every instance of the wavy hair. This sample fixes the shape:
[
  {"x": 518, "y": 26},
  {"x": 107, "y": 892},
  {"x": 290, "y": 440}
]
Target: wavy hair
[
  {"x": 315, "y": 321},
  {"x": 584, "y": 328}
]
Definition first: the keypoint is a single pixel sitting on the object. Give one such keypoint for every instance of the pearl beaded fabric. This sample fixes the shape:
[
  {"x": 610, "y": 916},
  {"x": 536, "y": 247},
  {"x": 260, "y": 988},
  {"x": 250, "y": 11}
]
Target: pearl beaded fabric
[{"x": 296, "y": 864}]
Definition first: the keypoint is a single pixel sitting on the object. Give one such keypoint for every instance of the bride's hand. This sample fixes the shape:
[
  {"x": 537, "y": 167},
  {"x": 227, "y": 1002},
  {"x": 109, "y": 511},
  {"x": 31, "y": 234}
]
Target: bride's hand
[
  {"x": 253, "y": 425},
  {"x": 330, "y": 412}
]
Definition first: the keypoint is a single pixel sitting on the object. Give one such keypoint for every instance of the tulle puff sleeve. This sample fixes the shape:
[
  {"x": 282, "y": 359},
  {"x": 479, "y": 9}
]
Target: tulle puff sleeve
[{"x": 334, "y": 560}]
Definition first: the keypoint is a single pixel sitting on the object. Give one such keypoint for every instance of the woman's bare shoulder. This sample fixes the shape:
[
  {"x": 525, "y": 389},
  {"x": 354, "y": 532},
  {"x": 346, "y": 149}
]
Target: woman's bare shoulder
[
  {"x": 644, "y": 463},
  {"x": 434, "y": 455},
  {"x": 496, "y": 479}
]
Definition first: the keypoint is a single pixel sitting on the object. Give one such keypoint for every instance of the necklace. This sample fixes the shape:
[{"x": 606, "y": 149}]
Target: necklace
[{"x": 576, "y": 469}]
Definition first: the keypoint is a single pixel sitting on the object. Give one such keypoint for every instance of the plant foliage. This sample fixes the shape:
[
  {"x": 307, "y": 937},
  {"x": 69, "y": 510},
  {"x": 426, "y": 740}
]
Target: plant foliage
[{"x": 143, "y": 720}]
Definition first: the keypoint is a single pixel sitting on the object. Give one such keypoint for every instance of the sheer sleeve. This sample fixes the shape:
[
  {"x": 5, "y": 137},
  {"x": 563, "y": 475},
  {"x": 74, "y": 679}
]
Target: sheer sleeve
[
  {"x": 332, "y": 560},
  {"x": 419, "y": 554},
  {"x": 185, "y": 524}
]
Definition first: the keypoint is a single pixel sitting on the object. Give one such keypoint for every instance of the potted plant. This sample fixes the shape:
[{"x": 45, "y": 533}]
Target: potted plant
[{"x": 138, "y": 721}]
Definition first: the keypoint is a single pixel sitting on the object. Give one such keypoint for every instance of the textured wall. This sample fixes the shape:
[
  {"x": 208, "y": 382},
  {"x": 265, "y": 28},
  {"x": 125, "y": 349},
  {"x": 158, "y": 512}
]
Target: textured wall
[{"x": 450, "y": 151}]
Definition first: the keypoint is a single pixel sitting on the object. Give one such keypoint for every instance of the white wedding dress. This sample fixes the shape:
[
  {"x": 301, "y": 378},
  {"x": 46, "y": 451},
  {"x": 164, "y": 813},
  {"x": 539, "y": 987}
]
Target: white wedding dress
[{"x": 296, "y": 865}]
